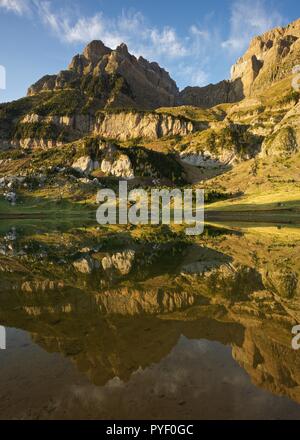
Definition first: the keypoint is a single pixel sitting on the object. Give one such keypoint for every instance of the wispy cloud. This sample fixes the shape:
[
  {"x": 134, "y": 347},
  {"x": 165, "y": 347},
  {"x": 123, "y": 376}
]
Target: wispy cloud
[
  {"x": 189, "y": 55},
  {"x": 129, "y": 27},
  {"x": 195, "y": 73},
  {"x": 249, "y": 18},
  {"x": 161, "y": 44},
  {"x": 19, "y": 7}
]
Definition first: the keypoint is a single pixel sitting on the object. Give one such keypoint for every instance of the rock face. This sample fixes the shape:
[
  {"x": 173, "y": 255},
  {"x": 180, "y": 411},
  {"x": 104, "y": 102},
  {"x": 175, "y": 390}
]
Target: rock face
[
  {"x": 121, "y": 125},
  {"x": 222, "y": 146},
  {"x": 285, "y": 139},
  {"x": 84, "y": 265},
  {"x": 207, "y": 159},
  {"x": 121, "y": 262},
  {"x": 28, "y": 143},
  {"x": 133, "y": 125},
  {"x": 85, "y": 165},
  {"x": 213, "y": 94},
  {"x": 270, "y": 58},
  {"x": 116, "y": 77},
  {"x": 115, "y": 163},
  {"x": 78, "y": 122},
  {"x": 118, "y": 167},
  {"x": 281, "y": 143},
  {"x": 112, "y": 163}
]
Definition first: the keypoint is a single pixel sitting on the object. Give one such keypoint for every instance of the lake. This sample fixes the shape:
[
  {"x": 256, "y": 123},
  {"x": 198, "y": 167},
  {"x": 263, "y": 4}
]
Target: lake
[{"x": 111, "y": 325}]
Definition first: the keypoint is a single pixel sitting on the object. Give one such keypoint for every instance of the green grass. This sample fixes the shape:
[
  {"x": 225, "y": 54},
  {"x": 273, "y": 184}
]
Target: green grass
[{"x": 279, "y": 201}]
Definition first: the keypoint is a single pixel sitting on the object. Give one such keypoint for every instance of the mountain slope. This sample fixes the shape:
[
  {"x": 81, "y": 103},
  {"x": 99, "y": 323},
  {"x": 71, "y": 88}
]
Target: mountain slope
[
  {"x": 114, "y": 77},
  {"x": 79, "y": 129}
]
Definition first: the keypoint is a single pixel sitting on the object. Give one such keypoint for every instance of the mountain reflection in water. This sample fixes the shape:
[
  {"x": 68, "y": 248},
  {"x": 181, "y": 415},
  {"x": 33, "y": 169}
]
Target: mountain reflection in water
[{"x": 120, "y": 328}]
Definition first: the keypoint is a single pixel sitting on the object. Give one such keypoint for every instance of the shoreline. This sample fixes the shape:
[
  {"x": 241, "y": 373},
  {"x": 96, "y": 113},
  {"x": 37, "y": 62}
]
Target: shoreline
[{"x": 287, "y": 216}]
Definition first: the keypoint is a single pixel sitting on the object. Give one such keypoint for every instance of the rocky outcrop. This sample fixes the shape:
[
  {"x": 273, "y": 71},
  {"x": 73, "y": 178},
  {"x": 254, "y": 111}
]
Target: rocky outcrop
[
  {"x": 208, "y": 159},
  {"x": 270, "y": 58},
  {"x": 281, "y": 143},
  {"x": 82, "y": 123},
  {"x": 121, "y": 125},
  {"x": 115, "y": 163},
  {"x": 133, "y": 125},
  {"x": 85, "y": 165},
  {"x": 85, "y": 265},
  {"x": 121, "y": 262},
  {"x": 112, "y": 162},
  {"x": 213, "y": 94},
  {"x": 285, "y": 139},
  {"x": 224, "y": 145},
  {"x": 120, "y": 166},
  {"x": 32, "y": 143}
]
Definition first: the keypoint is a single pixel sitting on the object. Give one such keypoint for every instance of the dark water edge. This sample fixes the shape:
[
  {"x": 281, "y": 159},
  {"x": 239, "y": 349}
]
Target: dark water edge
[{"x": 148, "y": 330}]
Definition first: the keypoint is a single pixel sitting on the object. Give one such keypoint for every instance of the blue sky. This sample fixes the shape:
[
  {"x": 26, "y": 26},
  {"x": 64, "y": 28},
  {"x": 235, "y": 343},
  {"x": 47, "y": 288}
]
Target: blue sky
[{"x": 196, "y": 41}]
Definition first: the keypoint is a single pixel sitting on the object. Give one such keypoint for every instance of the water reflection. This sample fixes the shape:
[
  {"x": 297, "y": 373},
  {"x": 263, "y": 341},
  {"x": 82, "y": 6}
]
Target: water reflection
[{"x": 121, "y": 309}]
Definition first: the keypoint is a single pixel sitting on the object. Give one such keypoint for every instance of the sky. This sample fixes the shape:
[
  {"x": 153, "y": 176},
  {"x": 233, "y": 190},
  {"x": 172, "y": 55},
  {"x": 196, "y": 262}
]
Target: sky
[{"x": 195, "y": 41}]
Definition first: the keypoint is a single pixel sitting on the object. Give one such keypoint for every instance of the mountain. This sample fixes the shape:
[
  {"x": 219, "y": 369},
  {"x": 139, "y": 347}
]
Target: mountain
[
  {"x": 118, "y": 79},
  {"x": 111, "y": 114},
  {"x": 270, "y": 58},
  {"x": 114, "y": 77}
]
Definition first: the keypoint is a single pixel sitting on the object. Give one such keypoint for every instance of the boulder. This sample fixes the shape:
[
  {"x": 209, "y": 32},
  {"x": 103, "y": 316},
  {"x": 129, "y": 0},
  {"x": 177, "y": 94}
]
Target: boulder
[
  {"x": 84, "y": 265},
  {"x": 120, "y": 166},
  {"x": 85, "y": 165}
]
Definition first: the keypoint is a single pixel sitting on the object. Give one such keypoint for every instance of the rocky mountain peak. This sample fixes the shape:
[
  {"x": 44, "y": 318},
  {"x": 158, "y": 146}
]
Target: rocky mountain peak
[
  {"x": 118, "y": 79},
  {"x": 122, "y": 49},
  {"x": 269, "y": 58},
  {"x": 114, "y": 77},
  {"x": 95, "y": 50}
]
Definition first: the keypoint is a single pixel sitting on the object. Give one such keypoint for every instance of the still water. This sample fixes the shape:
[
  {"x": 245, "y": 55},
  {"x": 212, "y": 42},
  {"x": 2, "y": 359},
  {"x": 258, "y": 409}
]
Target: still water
[{"x": 107, "y": 327}]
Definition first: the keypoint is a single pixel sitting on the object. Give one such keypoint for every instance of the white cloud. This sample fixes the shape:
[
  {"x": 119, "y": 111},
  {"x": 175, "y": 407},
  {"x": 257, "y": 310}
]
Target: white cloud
[
  {"x": 129, "y": 27},
  {"x": 163, "y": 45},
  {"x": 167, "y": 42},
  {"x": 189, "y": 56},
  {"x": 19, "y": 7},
  {"x": 199, "y": 33},
  {"x": 248, "y": 19},
  {"x": 194, "y": 73},
  {"x": 185, "y": 55},
  {"x": 160, "y": 44}
]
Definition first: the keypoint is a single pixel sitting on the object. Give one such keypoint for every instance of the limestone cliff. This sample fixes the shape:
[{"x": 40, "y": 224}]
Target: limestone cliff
[
  {"x": 120, "y": 125},
  {"x": 132, "y": 125}
]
